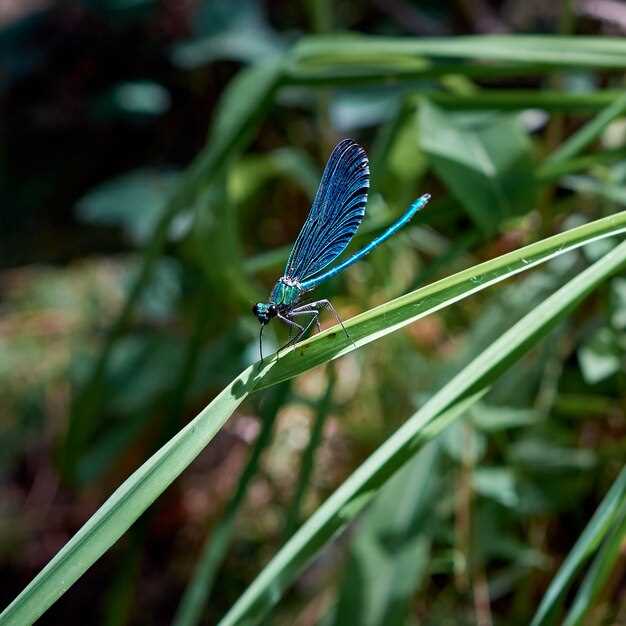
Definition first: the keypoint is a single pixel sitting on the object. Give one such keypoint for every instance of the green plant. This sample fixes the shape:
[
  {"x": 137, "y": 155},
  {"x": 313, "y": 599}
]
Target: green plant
[{"x": 487, "y": 164}]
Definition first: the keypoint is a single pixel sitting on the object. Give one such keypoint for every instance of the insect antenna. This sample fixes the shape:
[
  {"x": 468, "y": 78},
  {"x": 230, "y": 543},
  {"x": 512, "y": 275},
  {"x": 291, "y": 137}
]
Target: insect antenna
[{"x": 261, "y": 342}]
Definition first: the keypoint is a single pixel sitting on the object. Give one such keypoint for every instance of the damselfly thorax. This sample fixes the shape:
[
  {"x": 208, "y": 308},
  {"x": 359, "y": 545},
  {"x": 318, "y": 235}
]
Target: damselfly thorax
[{"x": 286, "y": 292}]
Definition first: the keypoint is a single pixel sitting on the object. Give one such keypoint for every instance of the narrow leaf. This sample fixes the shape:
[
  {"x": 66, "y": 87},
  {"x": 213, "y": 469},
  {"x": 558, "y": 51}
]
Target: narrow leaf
[
  {"x": 451, "y": 402},
  {"x": 143, "y": 487},
  {"x": 196, "y": 594},
  {"x": 583, "y": 549},
  {"x": 580, "y": 140},
  {"x": 600, "y": 571}
]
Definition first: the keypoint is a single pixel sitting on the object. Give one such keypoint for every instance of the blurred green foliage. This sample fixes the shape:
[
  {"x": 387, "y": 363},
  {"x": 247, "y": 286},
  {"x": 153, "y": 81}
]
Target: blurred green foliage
[{"x": 158, "y": 159}]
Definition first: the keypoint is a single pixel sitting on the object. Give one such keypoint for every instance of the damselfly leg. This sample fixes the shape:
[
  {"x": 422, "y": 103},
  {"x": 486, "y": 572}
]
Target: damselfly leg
[
  {"x": 316, "y": 307},
  {"x": 302, "y": 330},
  {"x": 291, "y": 325}
]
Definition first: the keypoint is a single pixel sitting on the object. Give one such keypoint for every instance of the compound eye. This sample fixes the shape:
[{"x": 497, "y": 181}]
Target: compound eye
[
  {"x": 272, "y": 309},
  {"x": 255, "y": 309}
]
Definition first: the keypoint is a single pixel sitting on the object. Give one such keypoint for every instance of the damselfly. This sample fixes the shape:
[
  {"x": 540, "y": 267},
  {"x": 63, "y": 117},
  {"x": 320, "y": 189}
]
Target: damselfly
[{"x": 336, "y": 213}]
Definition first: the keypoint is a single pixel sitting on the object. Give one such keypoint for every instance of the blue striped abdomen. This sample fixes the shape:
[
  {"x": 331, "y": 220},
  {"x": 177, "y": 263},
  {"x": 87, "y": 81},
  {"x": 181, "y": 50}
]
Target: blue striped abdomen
[{"x": 419, "y": 204}]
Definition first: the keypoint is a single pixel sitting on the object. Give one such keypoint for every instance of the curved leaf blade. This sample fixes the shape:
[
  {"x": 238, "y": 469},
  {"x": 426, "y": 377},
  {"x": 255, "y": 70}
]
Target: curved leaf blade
[
  {"x": 391, "y": 316},
  {"x": 145, "y": 485},
  {"x": 586, "y": 545},
  {"x": 446, "y": 405}
]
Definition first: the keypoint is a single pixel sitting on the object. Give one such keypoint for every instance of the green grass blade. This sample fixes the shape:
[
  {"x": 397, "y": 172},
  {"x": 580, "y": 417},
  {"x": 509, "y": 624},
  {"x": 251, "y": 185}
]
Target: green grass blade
[
  {"x": 586, "y": 545},
  {"x": 124, "y": 506},
  {"x": 143, "y": 487},
  {"x": 519, "y": 99},
  {"x": 591, "y": 185},
  {"x": 366, "y": 327},
  {"x": 550, "y": 172},
  {"x": 454, "y": 398},
  {"x": 349, "y": 59},
  {"x": 546, "y": 50},
  {"x": 198, "y": 590},
  {"x": 590, "y": 131},
  {"x": 600, "y": 571}
]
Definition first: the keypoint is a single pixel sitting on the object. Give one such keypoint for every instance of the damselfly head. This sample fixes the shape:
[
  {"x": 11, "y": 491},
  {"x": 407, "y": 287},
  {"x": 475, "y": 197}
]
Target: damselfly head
[{"x": 264, "y": 312}]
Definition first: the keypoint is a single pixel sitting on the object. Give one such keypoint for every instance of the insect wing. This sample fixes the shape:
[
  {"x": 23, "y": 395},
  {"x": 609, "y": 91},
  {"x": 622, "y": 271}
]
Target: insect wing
[{"x": 336, "y": 213}]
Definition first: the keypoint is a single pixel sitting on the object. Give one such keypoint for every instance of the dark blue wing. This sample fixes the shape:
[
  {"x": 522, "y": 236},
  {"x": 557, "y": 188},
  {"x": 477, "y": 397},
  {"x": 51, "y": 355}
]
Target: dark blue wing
[{"x": 337, "y": 212}]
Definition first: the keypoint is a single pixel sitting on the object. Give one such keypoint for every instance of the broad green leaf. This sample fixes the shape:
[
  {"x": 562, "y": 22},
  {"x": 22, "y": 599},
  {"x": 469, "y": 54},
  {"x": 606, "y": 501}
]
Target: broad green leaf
[
  {"x": 484, "y": 161},
  {"x": 454, "y": 398},
  {"x": 141, "y": 489},
  {"x": 586, "y": 545}
]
